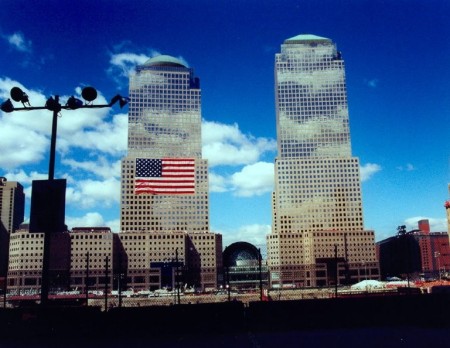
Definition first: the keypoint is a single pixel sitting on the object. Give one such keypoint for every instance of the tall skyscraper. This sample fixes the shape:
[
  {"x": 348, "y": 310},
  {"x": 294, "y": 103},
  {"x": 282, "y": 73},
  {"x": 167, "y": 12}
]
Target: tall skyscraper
[
  {"x": 164, "y": 131},
  {"x": 164, "y": 214},
  {"x": 317, "y": 198}
]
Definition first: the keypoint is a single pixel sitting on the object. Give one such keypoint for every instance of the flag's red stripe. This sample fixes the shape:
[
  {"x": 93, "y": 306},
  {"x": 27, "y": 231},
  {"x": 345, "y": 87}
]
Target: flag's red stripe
[
  {"x": 168, "y": 193},
  {"x": 153, "y": 182},
  {"x": 165, "y": 187},
  {"x": 189, "y": 165},
  {"x": 167, "y": 172}
]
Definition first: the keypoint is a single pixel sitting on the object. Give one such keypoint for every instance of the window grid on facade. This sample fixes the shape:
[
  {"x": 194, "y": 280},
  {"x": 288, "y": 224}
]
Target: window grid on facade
[
  {"x": 316, "y": 202},
  {"x": 164, "y": 122}
]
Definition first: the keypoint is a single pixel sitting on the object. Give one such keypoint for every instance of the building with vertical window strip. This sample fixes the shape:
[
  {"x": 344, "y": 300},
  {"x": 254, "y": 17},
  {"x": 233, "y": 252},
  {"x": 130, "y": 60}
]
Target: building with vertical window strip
[
  {"x": 164, "y": 123},
  {"x": 12, "y": 207},
  {"x": 316, "y": 205},
  {"x": 12, "y": 204}
]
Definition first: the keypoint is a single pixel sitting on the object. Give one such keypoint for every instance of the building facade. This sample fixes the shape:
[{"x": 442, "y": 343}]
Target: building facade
[
  {"x": 12, "y": 204},
  {"x": 95, "y": 259},
  {"x": 418, "y": 253},
  {"x": 12, "y": 207},
  {"x": 164, "y": 181},
  {"x": 91, "y": 258},
  {"x": 25, "y": 262},
  {"x": 164, "y": 122},
  {"x": 316, "y": 205},
  {"x": 150, "y": 261}
]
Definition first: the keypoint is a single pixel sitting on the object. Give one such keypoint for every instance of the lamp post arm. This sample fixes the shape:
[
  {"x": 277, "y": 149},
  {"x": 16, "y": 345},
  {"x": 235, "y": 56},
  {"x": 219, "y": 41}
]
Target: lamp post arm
[{"x": 64, "y": 107}]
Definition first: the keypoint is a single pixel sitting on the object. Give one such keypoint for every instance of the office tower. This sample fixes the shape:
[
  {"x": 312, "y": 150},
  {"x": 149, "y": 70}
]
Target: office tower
[
  {"x": 12, "y": 204},
  {"x": 316, "y": 204},
  {"x": 164, "y": 130},
  {"x": 164, "y": 213}
]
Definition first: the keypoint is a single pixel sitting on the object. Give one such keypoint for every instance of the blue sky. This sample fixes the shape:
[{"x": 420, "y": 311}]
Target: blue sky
[{"x": 398, "y": 78}]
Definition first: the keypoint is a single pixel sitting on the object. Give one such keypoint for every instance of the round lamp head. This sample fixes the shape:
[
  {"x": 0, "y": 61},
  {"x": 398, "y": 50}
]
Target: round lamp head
[
  {"x": 74, "y": 103},
  {"x": 17, "y": 94},
  {"x": 89, "y": 93},
  {"x": 7, "y": 106}
]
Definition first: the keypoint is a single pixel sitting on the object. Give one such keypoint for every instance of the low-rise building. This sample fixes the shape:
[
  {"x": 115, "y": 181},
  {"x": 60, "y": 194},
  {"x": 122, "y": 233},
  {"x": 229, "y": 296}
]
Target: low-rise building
[
  {"x": 95, "y": 257},
  {"x": 321, "y": 258},
  {"x": 91, "y": 258},
  {"x": 415, "y": 253}
]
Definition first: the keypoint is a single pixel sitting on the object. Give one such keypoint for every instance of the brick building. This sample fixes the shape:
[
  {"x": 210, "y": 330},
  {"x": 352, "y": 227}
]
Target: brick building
[{"x": 415, "y": 253}]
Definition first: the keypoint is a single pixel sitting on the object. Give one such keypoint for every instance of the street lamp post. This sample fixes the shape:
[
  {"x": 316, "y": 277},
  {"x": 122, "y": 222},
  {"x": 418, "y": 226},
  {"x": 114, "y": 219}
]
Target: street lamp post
[
  {"x": 53, "y": 104},
  {"x": 177, "y": 276},
  {"x": 87, "y": 279},
  {"x": 437, "y": 256},
  {"x": 260, "y": 274}
]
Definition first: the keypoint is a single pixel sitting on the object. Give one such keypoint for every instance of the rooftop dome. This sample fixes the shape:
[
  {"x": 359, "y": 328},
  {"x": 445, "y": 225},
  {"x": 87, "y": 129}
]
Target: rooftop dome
[
  {"x": 306, "y": 38},
  {"x": 240, "y": 254},
  {"x": 164, "y": 60}
]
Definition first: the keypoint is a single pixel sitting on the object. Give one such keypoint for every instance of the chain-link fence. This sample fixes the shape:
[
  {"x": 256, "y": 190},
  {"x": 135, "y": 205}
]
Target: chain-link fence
[
  {"x": 168, "y": 298},
  {"x": 221, "y": 296}
]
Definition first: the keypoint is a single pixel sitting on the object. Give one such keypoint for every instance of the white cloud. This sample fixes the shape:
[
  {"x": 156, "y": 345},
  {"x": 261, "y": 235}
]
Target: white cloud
[
  {"x": 253, "y": 180},
  {"x": 368, "y": 170},
  {"x": 18, "y": 42},
  {"x": 34, "y": 143},
  {"x": 101, "y": 167},
  {"x": 114, "y": 225},
  {"x": 89, "y": 129},
  {"x": 407, "y": 167},
  {"x": 92, "y": 219},
  {"x": 24, "y": 178},
  {"x": 90, "y": 193},
  {"x": 30, "y": 149},
  {"x": 227, "y": 145},
  {"x": 217, "y": 183},
  {"x": 436, "y": 225},
  {"x": 126, "y": 62},
  {"x": 254, "y": 234},
  {"x": 107, "y": 137}
]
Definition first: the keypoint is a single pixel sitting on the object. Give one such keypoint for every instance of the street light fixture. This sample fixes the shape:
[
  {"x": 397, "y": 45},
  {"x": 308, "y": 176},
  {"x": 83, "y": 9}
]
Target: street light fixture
[{"x": 53, "y": 104}]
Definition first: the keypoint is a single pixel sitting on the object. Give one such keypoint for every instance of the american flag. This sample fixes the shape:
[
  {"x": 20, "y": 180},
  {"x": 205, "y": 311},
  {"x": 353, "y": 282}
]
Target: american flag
[{"x": 166, "y": 176}]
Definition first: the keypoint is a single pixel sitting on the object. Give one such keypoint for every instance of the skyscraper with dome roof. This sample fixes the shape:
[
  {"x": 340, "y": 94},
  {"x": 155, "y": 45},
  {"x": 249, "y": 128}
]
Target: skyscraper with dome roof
[
  {"x": 164, "y": 212},
  {"x": 317, "y": 204}
]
